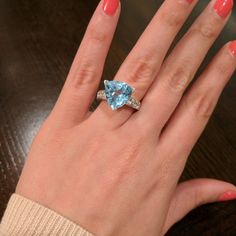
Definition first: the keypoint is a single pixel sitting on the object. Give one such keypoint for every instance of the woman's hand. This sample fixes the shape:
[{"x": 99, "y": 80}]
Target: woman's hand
[{"x": 116, "y": 172}]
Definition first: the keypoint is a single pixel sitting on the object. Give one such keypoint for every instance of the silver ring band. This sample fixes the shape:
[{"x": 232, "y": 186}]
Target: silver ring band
[{"x": 132, "y": 102}]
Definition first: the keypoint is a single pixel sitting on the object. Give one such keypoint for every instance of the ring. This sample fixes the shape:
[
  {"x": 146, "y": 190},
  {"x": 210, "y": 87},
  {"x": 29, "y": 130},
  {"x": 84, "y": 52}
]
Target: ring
[{"x": 118, "y": 94}]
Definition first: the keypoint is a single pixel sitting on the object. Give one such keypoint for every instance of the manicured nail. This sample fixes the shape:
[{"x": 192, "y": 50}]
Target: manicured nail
[
  {"x": 232, "y": 47},
  {"x": 223, "y": 7},
  {"x": 227, "y": 196},
  {"x": 110, "y": 6},
  {"x": 190, "y": 1}
]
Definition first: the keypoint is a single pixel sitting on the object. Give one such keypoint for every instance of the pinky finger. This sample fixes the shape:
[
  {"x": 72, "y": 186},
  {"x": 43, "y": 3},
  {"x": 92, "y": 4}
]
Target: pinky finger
[
  {"x": 196, "y": 107},
  {"x": 193, "y": 193}
]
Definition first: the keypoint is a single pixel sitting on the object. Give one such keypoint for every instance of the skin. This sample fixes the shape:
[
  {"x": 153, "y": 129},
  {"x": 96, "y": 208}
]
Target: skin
[{"x": 131, "y": 188}]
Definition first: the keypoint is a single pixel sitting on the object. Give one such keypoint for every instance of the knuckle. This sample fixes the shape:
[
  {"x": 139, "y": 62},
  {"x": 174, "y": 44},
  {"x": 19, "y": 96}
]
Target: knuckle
[
  {"x": 97, "y": 34},
  {"x": 84, "y": 75},
  {"x": 173, "y": 19},
  {"x": 207, "y": 30},
  {"x": 178, "y": 79},
  {"x": 201, "y": 105},
  {"x": 142, "y": 71}
]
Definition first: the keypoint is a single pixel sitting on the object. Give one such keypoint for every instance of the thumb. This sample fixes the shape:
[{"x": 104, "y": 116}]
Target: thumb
[{"x": 193, "y": 193}]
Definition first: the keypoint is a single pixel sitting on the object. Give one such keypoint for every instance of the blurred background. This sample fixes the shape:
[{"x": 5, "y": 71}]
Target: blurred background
[{"x": 38, "y": 40}]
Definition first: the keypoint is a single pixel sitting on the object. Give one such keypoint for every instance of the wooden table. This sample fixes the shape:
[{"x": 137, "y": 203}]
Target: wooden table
[{"x": 38, "y": 40}]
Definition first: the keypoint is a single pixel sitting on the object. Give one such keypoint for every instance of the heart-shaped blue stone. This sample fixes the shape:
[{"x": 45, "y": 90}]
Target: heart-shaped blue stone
[{"x": 117, "y": 93}]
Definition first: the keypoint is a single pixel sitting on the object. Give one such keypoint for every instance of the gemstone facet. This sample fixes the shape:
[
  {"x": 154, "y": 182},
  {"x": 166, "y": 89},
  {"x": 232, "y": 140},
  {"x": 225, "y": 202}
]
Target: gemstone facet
[{"x": 117, "y": 93}]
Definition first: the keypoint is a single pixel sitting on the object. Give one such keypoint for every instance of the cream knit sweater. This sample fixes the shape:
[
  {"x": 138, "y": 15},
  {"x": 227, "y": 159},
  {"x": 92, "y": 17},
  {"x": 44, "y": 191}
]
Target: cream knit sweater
[{"x": 24, "y": 217}]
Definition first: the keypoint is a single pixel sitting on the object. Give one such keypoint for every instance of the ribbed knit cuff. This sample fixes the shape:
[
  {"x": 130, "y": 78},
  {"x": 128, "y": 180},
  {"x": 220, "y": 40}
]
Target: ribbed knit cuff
[{"x": 24, "y": 217}]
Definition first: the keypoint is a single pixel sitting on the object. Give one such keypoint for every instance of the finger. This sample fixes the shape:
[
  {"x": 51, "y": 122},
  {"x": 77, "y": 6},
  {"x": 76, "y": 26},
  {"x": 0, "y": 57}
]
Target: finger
[
  {"x": 143, "y": 63},
  {"x": 181, "y": 66},
  {"x": 85, "y": 73},
  {"x": 196, "y": 107},
  {"x": 193, "y": 193}
]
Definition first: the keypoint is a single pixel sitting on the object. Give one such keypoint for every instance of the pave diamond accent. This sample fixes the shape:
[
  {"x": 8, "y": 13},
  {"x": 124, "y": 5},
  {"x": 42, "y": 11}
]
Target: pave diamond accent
[
  {"x": 133, "y": 103},
  {"x": 117, "y": 93}
]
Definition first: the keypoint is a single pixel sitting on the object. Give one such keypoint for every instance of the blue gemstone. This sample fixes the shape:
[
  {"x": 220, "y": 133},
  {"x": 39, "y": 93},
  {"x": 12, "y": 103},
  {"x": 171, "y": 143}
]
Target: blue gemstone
[{"x": 117, "y": 93}]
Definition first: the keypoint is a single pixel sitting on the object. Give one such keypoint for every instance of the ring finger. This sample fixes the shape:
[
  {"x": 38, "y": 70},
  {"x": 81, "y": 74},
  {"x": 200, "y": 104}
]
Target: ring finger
[{"x": 142, "y": 65}]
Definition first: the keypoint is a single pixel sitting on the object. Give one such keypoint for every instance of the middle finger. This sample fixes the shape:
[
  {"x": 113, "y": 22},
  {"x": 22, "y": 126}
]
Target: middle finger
[{"x": 143, "y": 63}]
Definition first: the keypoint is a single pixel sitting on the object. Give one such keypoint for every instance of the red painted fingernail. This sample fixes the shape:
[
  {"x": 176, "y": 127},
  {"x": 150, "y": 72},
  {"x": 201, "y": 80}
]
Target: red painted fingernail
[
  {"x": 189, "y": 1},
  {"x": 110, "y": 6},
  {"x": 223, "y": 7},
  {"x": 232, "y": 47},
  {"x": 227, "y": 196}
]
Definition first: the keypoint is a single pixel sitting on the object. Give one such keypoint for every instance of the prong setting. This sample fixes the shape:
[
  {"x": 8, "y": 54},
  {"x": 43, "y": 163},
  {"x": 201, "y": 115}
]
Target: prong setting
[{"x": 117, "y": 94}]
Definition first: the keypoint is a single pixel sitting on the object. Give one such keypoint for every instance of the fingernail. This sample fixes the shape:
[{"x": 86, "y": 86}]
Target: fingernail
[
  {"x": 227, "y": 196},
  {"x": 223, "y": 7},
  {"x": 232, "y": 47},
  {"x": 110, "y": 6},
  {"x": 190, "y": 1}
]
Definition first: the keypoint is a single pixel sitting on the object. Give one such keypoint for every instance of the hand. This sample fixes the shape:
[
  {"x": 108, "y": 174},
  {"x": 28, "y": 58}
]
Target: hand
[{"x": 116, "y": 172}]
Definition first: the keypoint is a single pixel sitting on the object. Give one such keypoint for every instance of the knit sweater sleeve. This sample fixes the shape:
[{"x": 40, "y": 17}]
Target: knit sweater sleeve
[{"x": 27, "y": 218}]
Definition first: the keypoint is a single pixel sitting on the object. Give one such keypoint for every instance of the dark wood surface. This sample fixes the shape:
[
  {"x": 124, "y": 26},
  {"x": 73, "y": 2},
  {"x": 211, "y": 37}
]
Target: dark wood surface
[{"x": 38, "y": 40}]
